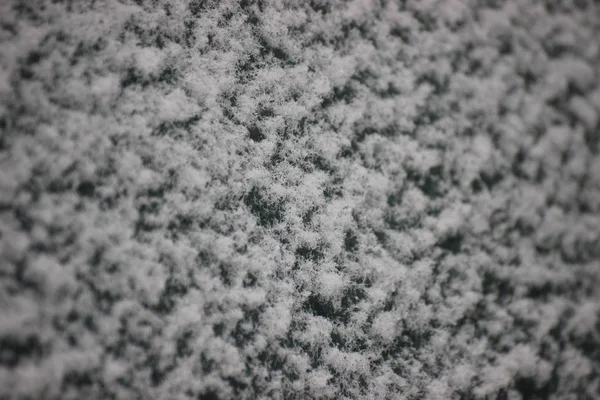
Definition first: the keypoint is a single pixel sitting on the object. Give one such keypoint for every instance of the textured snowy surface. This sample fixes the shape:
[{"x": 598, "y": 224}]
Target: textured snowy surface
[{"x": 299, "y": 199}]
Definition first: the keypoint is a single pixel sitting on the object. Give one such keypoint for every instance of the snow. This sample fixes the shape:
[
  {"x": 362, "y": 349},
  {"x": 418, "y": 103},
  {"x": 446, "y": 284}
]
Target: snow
[{"x": 279, "y": 199}]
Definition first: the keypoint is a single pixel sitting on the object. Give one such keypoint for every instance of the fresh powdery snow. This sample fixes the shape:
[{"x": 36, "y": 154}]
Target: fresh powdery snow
[{"x": 299, "y": 199}]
